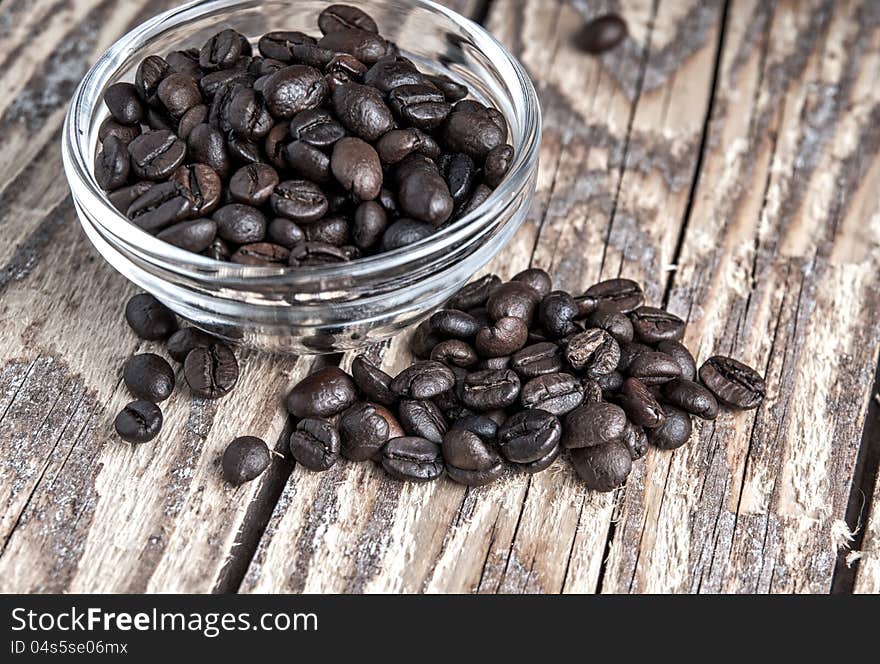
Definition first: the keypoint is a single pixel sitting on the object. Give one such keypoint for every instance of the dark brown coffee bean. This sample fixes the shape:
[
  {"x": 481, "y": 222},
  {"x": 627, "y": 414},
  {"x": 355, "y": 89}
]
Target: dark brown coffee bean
[
  {"x": 594, "y": 351},
  {"x": 148, "y": 377},
  {"x": 211, "y": 371},
  {"x": 452, "y": 90},
  {"x": 474, "y": 294},
  {"x": 223, "y": 50},
  {"x": 113, "y": 164},
  {"x": 156, "y": 154},
  {"x": 392, "y": 72},
  {"x": 498, "y": 162},
  {"x": 207, "y": 146},
  {"x": 316, "y": 253},
  {"x": 149, "y": 318},
  {"x": 537, "y": 278},
  {"x": 454, "y": 323},
  {"x": 469, "y": 460},
  {"x": 424, "y": 339},
  {"x": 419, "y": 105},
  {"x": 636, "y": 441},
  {"x": 455, "y": 352},
  {"x": 253, "y": 184},
  {"x": 618, "y": 325},
  {"x": 294, "y": 89},
  {"x": 423, "y": 193},
  {"x": 241, "y": 224},
  {"x": 278, "y": 45},
  {"x": 362, "y": 111},
  {"x": 345, "y": 17},
  {"x": 324, "y": 393},
  {"x": 734, "y": 384},
  {"x": 483, "y": 426},
  {"x": 653, "y": 368},
  {"x": 184, "y": 340},
  {"x": 529, "y": 435},
  {"x": 489, "y": 389},
  {"x": 557, "y": 393},
  {"x": 178, "y": 94},
  {"x": 601, "y": 34},
  {"x": 139, "y": 422},
  {"x": 124, "y": 133},
  {"x": 654, "y": 325},
  {"x": 412, "y": 459},
  {"x": 629, "y": 351},
  {"x": 308, "y": 162},
  {"x": 285, "y": 232},
  {"x": 370, "y": 222},
  {"x": 299, "y": 200},
  {"x": 364, "y": 428},
  {"x": 557, "y": 313},
  {"x": 261, "y": 254},
  {"x": 621, "y": 295},
  {"x": 404, "y": 232},
  {"x": 357, "y": 168},
  {"x": 329, "y": 230},
  {"x": 640, "y": 405},
  {"x": 397, "y": 144},
  {"x": 505, "y": 337},
  {"x": 674, "y": 432},
  {"x": 191, "y": 119},
  {"x": 514, "y": 299},
  {"x": 592, "y": 390},
  {"x": 245, "y": 459},
  {"x": 372, "y": 381},
  {"x": 475, "y": 133},
  {"x": 481, "y": 193},
  {"x": 594, "y": 424},
  {"x": 195, "y": 236},
  {"x": 602, "y": 468},
  {"x": 537, "y": 360},
  {"x": 423, "y": 380},
  {"x": 201, "y": 185},
  {"x": 149, "y": 74},
  {"x": 160, "y": 206},
  {"x": 315, "y": 444},
  {"x": 682, "y": 356},
  {"x": 217, "y": 82},
  {"x": 421, "y": 417},
  {"x": 124, "y": 103},
  {"x": 185, "y": 62},
  {"x": 316, "y": 127},
  {"x": 364, "y": 45}
]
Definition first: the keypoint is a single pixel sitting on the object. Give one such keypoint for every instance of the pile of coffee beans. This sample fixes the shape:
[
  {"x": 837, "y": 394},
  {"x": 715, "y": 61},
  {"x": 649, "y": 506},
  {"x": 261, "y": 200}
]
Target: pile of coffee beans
[
  {"x": 514, "y": 374},
  {"x": 316, "y": 150}
]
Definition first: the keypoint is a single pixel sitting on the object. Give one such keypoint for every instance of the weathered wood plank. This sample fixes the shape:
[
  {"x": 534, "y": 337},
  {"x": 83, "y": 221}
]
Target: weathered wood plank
[{"x": 544, "y": 533}]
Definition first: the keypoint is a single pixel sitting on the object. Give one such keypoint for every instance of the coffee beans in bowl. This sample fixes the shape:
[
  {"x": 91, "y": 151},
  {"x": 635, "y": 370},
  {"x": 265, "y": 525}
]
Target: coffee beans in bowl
[{"x": 297, "y": 149}]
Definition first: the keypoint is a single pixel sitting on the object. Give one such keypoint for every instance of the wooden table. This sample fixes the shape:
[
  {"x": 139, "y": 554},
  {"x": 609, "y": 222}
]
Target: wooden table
[{"x": 726, "y": 155}]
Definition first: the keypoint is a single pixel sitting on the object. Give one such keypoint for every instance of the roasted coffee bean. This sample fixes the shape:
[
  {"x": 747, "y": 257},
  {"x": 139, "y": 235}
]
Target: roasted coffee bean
[
  {"x": 211, "y": 371},
  {"x": 241, "y": 224},
  {"x": 223, "y": 50},
  {"x": 498, "y": 162},
  {"x": 592, "y": 389},
  {"x": 315, "y": 444},
  {"x": 196, "y": 235},
  {"x": 245, "y": 459},
  {"x": 160, "y": 206},
  {"x": 621, "y": 295},
  {"x": 422, "y": 106},
  {"x": 206, "y": 145},
  {"x": 455, "y": 352},
  {"x": 294, "y": 89},
  {"x": 374, "y": 383},
  {"x": 421, "y": 417},
  {"x": 149, "y": 74},
  {"x": 557, "y": 393},
  {"x": 475, "y": 133},
  {"x": 149, "y": 318},
  {"x": 316, "y": 253},
  {"x": 424, "y": 339},
  {"x": 345, "y": 17},
  {"x": 493, "y": 363},
  {"x": 635, "y": 440},
  {"x": 278, "y": 45},
  {"x": 610, "y": 383},
  {"x": 285, "y": 232},
  {"x": 391, "y": 72},
  {"x": 618, "y": 325},
  {"x": 324, "y": 393},
  {"x": 674, "y": 432},
  {"x": 529, "y": 435},
  {"x": 537, "y": 360},
  {"x": 412, "y": 459},
  {"x": 640, "y": 405},
  {"x": 474, "y": 294},
  {"x": 370, "y": 222},
  {"x": 122, "y": 198},
  {"x": 593, "y": 351},
  {"x": 483, "y": 426},
  {"x": 253, "y": 184},
  {"x": 156, "y": 154},
  {"x": 452, "y": 90},
  {"x": 682, "y": 356},
  {"x": 139, "y": 422},
  {"x": 514, "y": 299},
  {"x": 593, "y": 424},
  {"x": 735, "y": 384},
  {"x": 423, "y": 380},
  {"x": 123, "y": 132},
  {"x": 113, "y": 164},
  {"x": 308, "y": 162},
  {"x": 557, "y": 313},
  {"x": 405, "y": 232},
  {"x": 601, "y": 34},
  {"x": 247, "y": 116},
  {"x": 540, "y": 464},
  {"x": 460, "y": 173},
  {"x": 423, "y": 193},
  {"x": 186, "y": 339},
  {"x": 243, "y": 150},
  {"x": 505, "y": 337},
  {"x": 490, "y": 389},
  {"x": 217, "y": 82},
  {"x": 454, "y": 323},
  {"x": 345, "y": 68},
  {"x": 449, "y": 403},
  {"x": 397, "y": 144},
  {"x": 364, "y": 45},
  {"x": 178, "y": 94},
  {"x": 201, "y": 185},
  {"x": 261, "y": 254},
  {"x": 357, "y": 168},
  {"x": 364, "y": 428},
  {"x": 148, "y": 377},
  {"x": 480, "y": 195},
  {"x": 124, "y": 103},
  {"x": 362, "y": 111},
  {"x": 191, "y": 119},
  {"x": 654, "y": 325},
  {"x": 653, "y": 368},
  {"x": 469, "y": 460},
  {"x": 629, "y": 351},
  {"x": 602, "y": 468},
  {"x": 316, "y": 127},
  {"x": 185, "y": 62},
  {"x": 299, "y": 200},
  {"x": 329, "y": 230}
]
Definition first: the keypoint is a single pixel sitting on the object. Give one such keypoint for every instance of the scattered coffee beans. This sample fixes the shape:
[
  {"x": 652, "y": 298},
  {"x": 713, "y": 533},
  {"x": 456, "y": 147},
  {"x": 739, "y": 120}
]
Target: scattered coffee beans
[
  {"x": 512, "y": 375},
  {"x": 139, "y": 422},
  {"x": 245, "y": 459},
  {"x": 302, "y": 151}
]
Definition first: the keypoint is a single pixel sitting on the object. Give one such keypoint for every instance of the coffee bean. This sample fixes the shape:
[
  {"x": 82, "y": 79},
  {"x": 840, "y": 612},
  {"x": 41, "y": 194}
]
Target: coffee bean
[
  {"x": 299, "y": 200},
  {"x": 364, "y": 428},
  {"x": 370, "y": 222},
  {"x": 186, "y": 339},
  {"x": 423, "y": 380},
  {"x": 284, "y": 232},
  {"x": 253, "y": 184},
  {"x": 480, "y": 195},
  {"x": 185, "y": 62},
  {"x": 149, "y": 74},
  {"x": 397, "y": 144},
  {"x": 593, "y": 351},
  {"x": 424, "y": 339},
  {"x": 556, "y": 393},
  {"x": 223, "y": 50},
  {"x": 455, "y": 352},
  {"x": 391, "y": 72},
  {"x": 475, "y": 133},
  {"x": 419, "y": 105},
  {"x": 691, "y": 397},
  {"x": 469, "y": 460},
  {"x": 423, "y": 193},
  {"x": 261, "y": 254},
  {"x": 315, "y": 444},
  {"x": 537, "y": 360},
  {"x": 652, "y": 325},
  {"x": 474, "y": 294},
  {"x": 216, "y": 83},
  {"x": 514, "y": 299},
  {"x": 592, "y": 389},
  {"x": 412, "y": 459},
  {"x": 635, "y": 440},
  {"x": 629, "y": 351},
  {"x": 593, "y": 424},
  {"x": 324, "y": 393},
  {"x": 621, "y": 295},
  {"x": 604, "y": 467},
  {"x": 422, "y": 418},
  {"x": 241, "y": 224},
  {"x": 374, "y": 383},
  {"x": 540, "y": 464},
  {"x": 211, "y": 371},
  {"x": 404, "y": 232},
  {"x": 610, "y": 383},
  {"x": 498, "y": 162},
  {"x": 529, "y": 435},
  {"x": 178, "y": 94},
  {"x": 113, "y": 164},
  {"x": 618, "y": 325},
  {"x": 452, "y": 90},
  {"x": 123, "y": 132},
  {"x": 149, "y": 318},
  {"x": 207, "y": 145},
  {"x": 245, "y": 459},
  {"x": 362, "y": 111},
  {"x": 148, "y": 377},
  {"x": 674, "y": 432},
  {"x": 357, "y": 168},
  {"x": 640, "y": 405},
  {"x": 329, "y": 230},
  {"x": 490, "y": 389},
  {"x": 653, "y": 368},
  {"x": 364, "y": 45},
  {"x": 316, "y": 253},
  {"x": 278, "y": 45},
  {"x": 481, "y": 425},
  {"x": 124, "y": 103},
  {"x": 454, "y": 323},
  {"x": 156, "y": 154},
  {"x": 601, "y": 34},
  {"x": 460, "y": 173},
  {"x": 345, "y": 17},
  {"x": 159, "y": 206},
  {"x": 557, "y": 313},
  {"x": 734, "y": 384},
  {"x": 139, "y": 422},
  {"x": 294, "y": 89},
  {"x": 682, "y": 356},
  {"x": 537, "y": 278}
]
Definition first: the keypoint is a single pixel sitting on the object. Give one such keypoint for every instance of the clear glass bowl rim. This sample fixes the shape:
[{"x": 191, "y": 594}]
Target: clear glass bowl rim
[{"x": 78, "y": 168}]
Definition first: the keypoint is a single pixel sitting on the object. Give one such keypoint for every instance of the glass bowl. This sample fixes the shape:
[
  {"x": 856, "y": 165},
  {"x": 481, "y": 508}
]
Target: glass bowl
[{"x": 311, "y": 309}]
